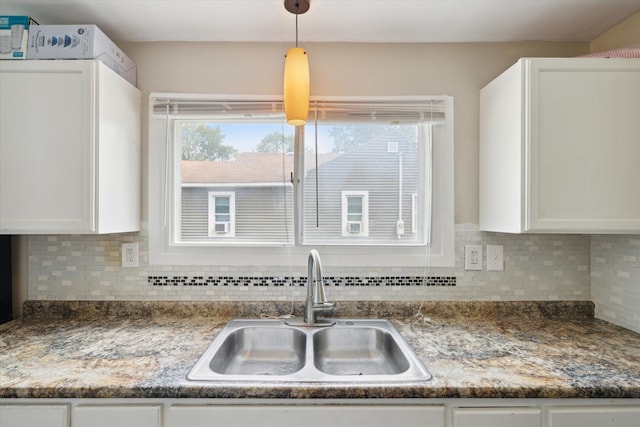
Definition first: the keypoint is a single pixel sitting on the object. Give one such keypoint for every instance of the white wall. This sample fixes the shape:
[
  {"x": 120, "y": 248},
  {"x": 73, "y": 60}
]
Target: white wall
[{"x": 624, "y": 34}]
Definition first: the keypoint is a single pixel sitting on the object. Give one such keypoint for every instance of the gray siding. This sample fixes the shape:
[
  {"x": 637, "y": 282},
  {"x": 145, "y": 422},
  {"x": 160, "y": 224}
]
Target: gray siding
[
  {"x": 263, "y": 214},
  {"x": 370, "y": 168}
]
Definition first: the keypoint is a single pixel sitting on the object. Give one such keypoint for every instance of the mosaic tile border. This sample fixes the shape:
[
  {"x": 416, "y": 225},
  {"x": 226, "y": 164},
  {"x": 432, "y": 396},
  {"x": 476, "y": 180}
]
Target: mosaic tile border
[{"x": 300, "y": 281}]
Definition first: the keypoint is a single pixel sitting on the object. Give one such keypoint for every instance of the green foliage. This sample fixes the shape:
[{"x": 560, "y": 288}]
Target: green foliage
[
  {"x": 202, "y": 142},
  {"x": 275, "y": 142},
  {"x": 347, "y": 138}
]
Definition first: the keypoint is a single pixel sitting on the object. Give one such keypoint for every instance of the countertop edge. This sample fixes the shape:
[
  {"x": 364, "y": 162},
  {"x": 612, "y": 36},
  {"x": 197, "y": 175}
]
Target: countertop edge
[{"x": 318, "y": 392}]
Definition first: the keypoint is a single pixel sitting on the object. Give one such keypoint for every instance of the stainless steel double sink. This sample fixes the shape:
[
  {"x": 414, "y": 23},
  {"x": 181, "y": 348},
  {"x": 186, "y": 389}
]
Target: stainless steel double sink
[{"x": 272, "y": 350}]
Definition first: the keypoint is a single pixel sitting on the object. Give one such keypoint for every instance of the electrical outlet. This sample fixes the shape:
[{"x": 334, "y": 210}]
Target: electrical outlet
[
  {"x": 473, "y": 257},
  {"x": 495, "y": 257},
  {"x": 130, "y": 255}
]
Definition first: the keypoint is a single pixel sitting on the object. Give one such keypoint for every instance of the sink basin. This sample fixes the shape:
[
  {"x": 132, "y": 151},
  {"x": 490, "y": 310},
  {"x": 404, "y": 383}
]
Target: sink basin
[
  {"x": 270, "y": 350},
  {"x": 260, "y": 351},
  {"x": 358, "y": 351}
]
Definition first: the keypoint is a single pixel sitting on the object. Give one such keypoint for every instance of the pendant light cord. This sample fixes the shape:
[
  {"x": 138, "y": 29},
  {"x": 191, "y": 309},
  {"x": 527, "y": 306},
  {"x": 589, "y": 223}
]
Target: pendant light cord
[
  {"x": 315, "y": 128},
  {"x": 297, "y": 7}
]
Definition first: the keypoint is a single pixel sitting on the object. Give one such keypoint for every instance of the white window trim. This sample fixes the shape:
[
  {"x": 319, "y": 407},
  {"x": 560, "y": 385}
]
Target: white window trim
[
  {"x": 414, "y": 213},
  {"x": 232, "y": 214},
  {"x": 163, "y": 251},
  {"x": 364, "y": 230}
]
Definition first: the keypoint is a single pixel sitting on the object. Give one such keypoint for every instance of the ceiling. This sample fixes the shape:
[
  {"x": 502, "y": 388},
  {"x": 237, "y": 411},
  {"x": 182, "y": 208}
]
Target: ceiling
[{"x": 335, "y": 20}]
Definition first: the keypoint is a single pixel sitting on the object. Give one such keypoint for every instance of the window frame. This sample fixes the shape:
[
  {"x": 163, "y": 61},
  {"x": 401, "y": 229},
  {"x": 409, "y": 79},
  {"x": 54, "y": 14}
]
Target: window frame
[
  {"x": 163, "y": 205},
  {"x": 414, "y": 212},
  {"x": 212, "y": 196},
  {"x": 364, "y": 214}
]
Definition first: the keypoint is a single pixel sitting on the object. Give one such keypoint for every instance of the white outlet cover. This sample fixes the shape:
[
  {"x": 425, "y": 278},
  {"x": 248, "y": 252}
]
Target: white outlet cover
[
  {"x": 130, "y": 255},
  {"x": 473, "y": 257}
]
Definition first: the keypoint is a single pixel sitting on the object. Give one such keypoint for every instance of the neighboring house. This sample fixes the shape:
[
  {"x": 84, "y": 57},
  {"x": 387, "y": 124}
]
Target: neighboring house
[
  {"x": 363, "y": 194},
  {"x": 247, "y": 199}
]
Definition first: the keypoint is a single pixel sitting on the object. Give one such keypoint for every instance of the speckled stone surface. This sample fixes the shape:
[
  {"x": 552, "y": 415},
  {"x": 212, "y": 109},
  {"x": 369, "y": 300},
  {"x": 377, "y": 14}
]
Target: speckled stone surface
[{"x": 473, "y": 349}]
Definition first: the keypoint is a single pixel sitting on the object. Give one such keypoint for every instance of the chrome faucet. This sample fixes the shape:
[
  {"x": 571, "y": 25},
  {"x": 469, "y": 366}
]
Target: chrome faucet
[{"x": 316, "y": 298}]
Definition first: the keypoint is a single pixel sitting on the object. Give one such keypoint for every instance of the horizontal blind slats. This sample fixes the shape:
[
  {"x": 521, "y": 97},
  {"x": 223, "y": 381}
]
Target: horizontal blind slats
[{"x": 330, "y": 111}]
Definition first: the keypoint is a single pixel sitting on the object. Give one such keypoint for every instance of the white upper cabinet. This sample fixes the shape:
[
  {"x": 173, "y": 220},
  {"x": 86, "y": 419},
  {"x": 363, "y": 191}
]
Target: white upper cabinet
[
  {"x": 69, "y": 149},
  {"x": 560, "y": 147}
]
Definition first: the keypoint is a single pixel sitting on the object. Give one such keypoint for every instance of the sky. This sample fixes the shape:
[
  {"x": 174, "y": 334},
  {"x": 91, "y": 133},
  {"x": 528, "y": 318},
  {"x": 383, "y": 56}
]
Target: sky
[{"x": 245, "y": 138}]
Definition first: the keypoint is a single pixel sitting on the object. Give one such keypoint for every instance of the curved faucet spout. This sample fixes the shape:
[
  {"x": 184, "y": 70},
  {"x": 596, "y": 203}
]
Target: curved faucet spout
[
  {"x": 315, "y": 287},
  {"x": 316, "y": 297}
]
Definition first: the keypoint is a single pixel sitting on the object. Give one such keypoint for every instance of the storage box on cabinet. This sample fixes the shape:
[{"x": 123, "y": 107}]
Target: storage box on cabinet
[
  {"x": 69, "y": 149},
  {"x": 559, "y": 147}
]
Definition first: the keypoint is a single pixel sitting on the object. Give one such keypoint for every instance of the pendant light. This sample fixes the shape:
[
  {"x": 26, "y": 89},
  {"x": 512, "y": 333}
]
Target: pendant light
[{"x": 296, "y": 73}]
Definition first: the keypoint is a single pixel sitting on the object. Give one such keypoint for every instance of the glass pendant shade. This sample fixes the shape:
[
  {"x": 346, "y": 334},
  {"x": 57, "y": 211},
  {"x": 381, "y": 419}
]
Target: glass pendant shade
[{"x": 296, "y": 86}]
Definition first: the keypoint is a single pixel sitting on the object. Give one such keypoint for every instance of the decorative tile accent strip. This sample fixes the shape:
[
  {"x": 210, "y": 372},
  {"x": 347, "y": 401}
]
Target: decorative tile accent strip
[
  {"x": 225, "y": 281},
  {"x": 300, "y": 281}
]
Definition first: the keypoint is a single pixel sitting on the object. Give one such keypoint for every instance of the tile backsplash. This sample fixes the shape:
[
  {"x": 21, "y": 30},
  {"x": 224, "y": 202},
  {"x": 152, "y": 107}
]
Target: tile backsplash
[
  {"x": 536, "y": 267},
  {"x": 615, "y": 279}
]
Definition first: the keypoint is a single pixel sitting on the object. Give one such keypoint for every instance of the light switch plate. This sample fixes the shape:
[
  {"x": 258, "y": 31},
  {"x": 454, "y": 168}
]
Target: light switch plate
[
  {"x": 495, "y": 257},
  {"x": 473, "y": 257}
]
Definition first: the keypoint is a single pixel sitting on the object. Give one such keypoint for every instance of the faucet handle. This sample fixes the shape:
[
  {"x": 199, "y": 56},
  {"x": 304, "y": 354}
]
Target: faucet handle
[{"x": 324, "y": 306}]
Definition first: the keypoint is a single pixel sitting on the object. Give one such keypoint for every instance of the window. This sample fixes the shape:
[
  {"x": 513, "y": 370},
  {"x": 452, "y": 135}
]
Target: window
[
  {"x": 238, "y": 186},
  {"x": 229, "y": 181},
  {"x": 355, "y": 214},
  {"x": 221, "y": 214}
]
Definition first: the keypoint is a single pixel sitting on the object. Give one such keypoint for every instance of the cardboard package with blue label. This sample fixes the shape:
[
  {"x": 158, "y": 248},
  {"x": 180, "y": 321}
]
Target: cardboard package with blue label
[
  {"x": 79, "y": 42},
  {"x": 14, "y": 36}
]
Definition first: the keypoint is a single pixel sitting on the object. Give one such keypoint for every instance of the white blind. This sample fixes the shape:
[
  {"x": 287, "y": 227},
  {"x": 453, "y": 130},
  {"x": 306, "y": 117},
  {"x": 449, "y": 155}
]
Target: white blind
[
  {"x": 382, "y": 111},
  {"x": 217, "y": 108}
]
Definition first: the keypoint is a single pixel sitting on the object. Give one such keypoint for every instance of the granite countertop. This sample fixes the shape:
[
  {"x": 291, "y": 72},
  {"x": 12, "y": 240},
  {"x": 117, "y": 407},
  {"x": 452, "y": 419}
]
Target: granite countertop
[{"x": 480, "y": 349}]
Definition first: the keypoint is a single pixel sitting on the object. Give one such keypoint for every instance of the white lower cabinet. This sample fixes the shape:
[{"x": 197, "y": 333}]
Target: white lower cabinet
[
  {"x": 305, "y": 415},
  {"x": 320, "y": 412},
  {"x": 34, "y": 415},
  {"x": 596, "y": 416},
  {"x": 116, "y": 415},
  {"x": 497, "y": 417}
]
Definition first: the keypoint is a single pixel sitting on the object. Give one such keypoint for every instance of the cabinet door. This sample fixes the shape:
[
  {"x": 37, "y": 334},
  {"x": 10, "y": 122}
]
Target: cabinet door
[
  {"x": 594, "y": 417},
  {"x": 559, "y": 147},
  {"x": 118, "y": 154},
  {"x": 34, "y": 415},
  {"x": 496, "y": 417},
  {"x": 583, "y": 147},
  {"x": 46, "y": 152},
  {"x": 116, "y": 415},
  {"x": 308, "y": 416}
]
